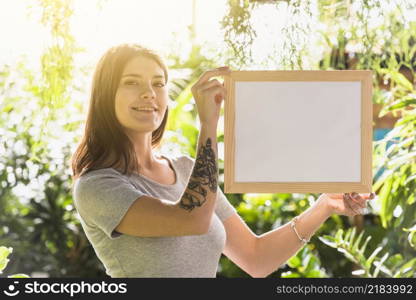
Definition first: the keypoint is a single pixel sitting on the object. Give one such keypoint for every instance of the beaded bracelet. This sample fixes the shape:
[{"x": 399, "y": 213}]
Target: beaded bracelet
[{"x": 292, "y": 224}]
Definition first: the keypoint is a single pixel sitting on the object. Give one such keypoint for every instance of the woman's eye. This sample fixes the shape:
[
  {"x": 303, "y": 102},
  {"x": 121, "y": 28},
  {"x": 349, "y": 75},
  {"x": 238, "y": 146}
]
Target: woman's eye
[
  {"x": 130, "y": 82},
  {"x": 134, "y": 83}
]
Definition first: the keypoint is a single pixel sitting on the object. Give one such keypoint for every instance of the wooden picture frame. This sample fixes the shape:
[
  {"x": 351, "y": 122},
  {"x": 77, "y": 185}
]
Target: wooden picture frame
[{"x": 298, "y": 131}]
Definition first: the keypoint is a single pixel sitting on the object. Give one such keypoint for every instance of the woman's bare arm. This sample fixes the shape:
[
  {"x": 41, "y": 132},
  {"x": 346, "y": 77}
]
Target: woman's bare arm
[
  {"x": 189, "y": 215},
  {"x": 199, "y": 197}
]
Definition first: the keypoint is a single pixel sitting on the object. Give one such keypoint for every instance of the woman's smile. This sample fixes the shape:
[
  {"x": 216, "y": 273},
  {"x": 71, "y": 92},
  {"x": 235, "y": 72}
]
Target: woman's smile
[
  {"x": 143, "y": 113},
  {"x": 144, "y": 110}
]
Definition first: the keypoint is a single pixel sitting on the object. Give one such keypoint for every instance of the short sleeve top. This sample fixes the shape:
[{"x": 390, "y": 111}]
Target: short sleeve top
[{"x": 102, "y": 198}]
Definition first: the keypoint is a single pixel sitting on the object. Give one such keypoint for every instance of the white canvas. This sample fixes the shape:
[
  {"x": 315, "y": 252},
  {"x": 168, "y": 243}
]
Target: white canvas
[{"x": 297, "y": 131}]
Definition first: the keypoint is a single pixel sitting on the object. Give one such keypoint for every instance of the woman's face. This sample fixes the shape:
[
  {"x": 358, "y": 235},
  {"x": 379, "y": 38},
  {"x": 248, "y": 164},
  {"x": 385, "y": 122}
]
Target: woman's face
[{"x": 142, "y": 85}]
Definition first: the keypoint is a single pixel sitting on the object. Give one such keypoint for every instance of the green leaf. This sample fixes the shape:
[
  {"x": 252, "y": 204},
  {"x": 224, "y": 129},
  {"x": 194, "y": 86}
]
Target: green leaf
[
  {"x": 348, "y": 254},
  {"x": 364, "y": 246},
  {"x": 395, "y": 260},
  {"x": 4, "y": 253},
  {"x": 384, "y": 197},
  {"x": 401, "y": 159},
  {"x": 357, "y": 241},
  {"x": 399, "y": 78},
  {"x": 380, "y": 266},
  {"x": 20, "y": 275},
  {"x": 290, "y": 274},
  {"x": 351, "y": 239},
  {"x": 406, "y": 119},
  {"x": 338, "y": 235},
  {"x": 294, "y": 262},
  {"x": 329, "y": 240},
  {"x": 347, "y": 236},
  {"x": 372, "y": 257},
  {"x": 410, "y": 178},
  {"x": 406, "y": 268},
  {"x": 398, "y": 104},
  {"x": 316, "y": 274},
  {"x": 8, "y": 108},
  {"x": 358, "y": 272}
]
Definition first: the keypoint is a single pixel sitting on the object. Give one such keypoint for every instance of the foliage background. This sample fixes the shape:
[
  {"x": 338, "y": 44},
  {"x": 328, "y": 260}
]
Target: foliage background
[{"x": 42, "y": 110}]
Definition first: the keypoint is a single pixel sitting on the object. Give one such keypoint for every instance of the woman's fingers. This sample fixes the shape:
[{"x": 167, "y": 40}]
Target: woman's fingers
[
  {"x": 210, "y": 84},
  {"x": 355, "y": 208},
  {"x": 334, "y": 196},
  {"x": 358, "y": 200},
  {"x": 214, "y": 87},
  {"x": 364, "y": 196},
  {"x": 350, "y": 212},
  {"x": 222, "y": 71},
  {"x": 353, "y": 203},
  {"x": 368, "y": 196}
]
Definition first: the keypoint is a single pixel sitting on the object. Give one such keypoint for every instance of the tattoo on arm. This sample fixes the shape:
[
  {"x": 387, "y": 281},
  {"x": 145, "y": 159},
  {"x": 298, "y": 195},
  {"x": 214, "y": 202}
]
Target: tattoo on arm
[{"x": 204, "y": 175}]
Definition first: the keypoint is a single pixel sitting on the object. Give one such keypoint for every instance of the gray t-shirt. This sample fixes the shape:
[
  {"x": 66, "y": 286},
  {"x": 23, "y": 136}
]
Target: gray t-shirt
[{"x": 102, "y": 197}]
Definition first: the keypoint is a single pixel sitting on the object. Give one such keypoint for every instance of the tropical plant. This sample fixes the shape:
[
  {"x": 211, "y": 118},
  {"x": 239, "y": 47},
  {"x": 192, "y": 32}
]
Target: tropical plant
[
  {"x": 4, "y": 254},
  {"x": 354, "y": 247}
]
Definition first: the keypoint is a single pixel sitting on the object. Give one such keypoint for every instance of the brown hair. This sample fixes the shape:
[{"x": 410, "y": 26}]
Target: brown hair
[{"x": 103, "y": 134}]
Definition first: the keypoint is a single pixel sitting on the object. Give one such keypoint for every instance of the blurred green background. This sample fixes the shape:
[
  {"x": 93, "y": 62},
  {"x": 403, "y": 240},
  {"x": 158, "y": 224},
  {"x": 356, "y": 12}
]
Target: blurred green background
[{"x": 47, "y": 58}]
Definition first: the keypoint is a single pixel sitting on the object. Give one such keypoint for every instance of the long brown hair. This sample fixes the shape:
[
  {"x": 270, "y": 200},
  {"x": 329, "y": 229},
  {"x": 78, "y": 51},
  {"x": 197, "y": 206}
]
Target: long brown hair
[{"x": 103, "y": 136}]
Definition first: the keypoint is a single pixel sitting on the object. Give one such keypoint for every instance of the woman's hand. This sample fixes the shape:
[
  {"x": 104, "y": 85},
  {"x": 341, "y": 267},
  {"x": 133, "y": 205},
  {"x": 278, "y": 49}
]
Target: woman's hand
[
  {"x": 208, "y": 95},
  {"x": 348, "y": 204}
]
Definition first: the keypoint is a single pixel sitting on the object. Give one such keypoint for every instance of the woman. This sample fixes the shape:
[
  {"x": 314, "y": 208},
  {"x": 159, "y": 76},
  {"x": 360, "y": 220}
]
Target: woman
[{"x": 149, "y": 216}]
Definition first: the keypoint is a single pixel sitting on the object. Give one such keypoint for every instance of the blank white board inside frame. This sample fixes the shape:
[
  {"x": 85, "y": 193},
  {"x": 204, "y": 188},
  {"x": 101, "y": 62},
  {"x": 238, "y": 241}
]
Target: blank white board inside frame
[{"x": 298, "y": 132}]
